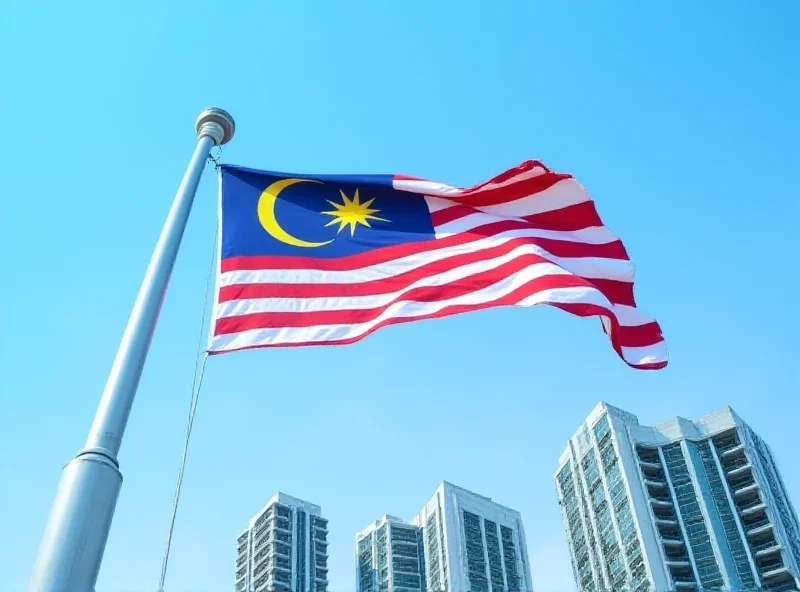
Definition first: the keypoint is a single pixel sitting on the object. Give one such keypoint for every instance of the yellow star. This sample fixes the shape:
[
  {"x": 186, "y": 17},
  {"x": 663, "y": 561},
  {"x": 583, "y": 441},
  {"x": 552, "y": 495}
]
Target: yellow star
[{"x": 352, "y": 213}]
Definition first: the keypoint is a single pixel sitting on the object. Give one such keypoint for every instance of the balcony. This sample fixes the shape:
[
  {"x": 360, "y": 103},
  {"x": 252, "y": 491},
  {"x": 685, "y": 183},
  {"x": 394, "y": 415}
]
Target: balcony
[
  {"x": 732, "y": 451},
  {"x": 758, "y": 527},
  {"x": 671, "y": 541},
  {"x": 664, "y": 512},
  {"x": 734, "y": 461},
  {"x": 773, "y": 571},
  {"x": 743, "y": 488},
  {"x": 753, "y": 510},
  {"x": 261, "y": 528},
  {"x": 678, "y": 561},
  {"x": 654, "y": 466},
  {"x": 655, "y": 482},
  {"x": 683, "y": 581},
  {"x": 787, "y": 586},
  {"x": 661, "y": 502},
  {"x": 283, "y": 525},
  {"x": 767, "y": 549},
  {"x": 666, "y": 522},
  {"x": 739, "y": 471},
  {"x": 262, "y": 536},
  {"x": 259, "y": 561},
  {"x": 750, "y": 503},
  {"x": 725, "y": 443}
]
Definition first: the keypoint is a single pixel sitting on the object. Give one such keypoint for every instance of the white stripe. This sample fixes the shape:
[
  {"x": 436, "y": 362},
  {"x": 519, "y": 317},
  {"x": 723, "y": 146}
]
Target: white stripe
[
  {"x": 575, "y": 295},
  {"x": 401, "y": 309},
  {"x": 595, "y": 235},
  {"x": 333, "y": 333},
  {"x": 565, "y": 193},
  {"x": 439, "y": 203},
  {"x": 422, "y": 186},
  {"x": 588, "y": 267},
  {"x": 299, "y": 305},
  {"x": 434, "y": 188},
  {"x": 649, "y": 354},
  {"x": 630, "y": 316}
]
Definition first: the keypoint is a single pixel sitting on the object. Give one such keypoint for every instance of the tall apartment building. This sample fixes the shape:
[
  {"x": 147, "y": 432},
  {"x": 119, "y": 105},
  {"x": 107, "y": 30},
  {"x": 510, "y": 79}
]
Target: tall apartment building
[
  {"x": 465, "y": 542},
  {"x": 284, "y": 548},
  {"x": 390, "y": 556},
  {"x": 684, "y": 505}
]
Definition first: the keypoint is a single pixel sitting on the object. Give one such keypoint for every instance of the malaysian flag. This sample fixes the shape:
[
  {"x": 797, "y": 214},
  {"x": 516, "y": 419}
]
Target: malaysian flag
[{"x": 328, "y": 259}]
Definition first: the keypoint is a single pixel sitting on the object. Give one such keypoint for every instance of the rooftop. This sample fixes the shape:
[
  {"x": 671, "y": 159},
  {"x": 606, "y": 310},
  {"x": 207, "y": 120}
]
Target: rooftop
[{"x": 676, "y": 428}]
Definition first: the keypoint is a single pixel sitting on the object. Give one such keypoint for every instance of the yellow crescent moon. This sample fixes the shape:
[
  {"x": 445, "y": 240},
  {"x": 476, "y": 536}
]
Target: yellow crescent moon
[{"x": 266, "y": 214}]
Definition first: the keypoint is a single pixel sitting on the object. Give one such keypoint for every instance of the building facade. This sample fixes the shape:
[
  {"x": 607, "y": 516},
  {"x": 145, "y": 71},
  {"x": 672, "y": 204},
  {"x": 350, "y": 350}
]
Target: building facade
[
  {"x": 390, "y": 557},
  {"x": 684, "y": 505},
  {"x": 284, "y": 548},
  {"x": 465, "y": 543}
]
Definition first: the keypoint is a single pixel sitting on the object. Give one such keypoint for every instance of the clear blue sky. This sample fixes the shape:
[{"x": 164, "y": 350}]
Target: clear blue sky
[{"x": 681, "y": 118}]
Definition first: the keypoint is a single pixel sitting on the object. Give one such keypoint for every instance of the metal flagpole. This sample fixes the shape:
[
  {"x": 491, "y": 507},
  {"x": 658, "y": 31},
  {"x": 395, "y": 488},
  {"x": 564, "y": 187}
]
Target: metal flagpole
[{"x": 75, "y": 537}]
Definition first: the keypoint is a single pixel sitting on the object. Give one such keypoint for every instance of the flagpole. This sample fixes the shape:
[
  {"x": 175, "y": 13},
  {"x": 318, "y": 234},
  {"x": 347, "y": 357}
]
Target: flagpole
[{"x": 74, "y": 539}]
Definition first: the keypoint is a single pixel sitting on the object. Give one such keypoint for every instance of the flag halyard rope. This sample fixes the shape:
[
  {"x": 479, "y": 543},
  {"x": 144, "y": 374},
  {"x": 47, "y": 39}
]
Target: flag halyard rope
[{"x": 201, "y": 357}]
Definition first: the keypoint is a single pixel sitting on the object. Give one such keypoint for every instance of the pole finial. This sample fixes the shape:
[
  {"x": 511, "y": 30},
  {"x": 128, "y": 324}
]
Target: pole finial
[{"x": 216, "y": 124}]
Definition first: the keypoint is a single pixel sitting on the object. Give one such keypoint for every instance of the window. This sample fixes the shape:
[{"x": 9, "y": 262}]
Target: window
[
  {"x": 476, "y": 564},
  {"x": 728, "y": 519},
  {"x": 694, "y": 523},
  {"x": 433, "y": 544},
  {"x": 493, "y": 551},
  {"x": 510, "y": 558}
]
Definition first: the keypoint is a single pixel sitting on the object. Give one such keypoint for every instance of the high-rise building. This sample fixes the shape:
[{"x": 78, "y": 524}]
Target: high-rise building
[
  {"x": 284, "y": 548},
  {"x": 465, "y": 542},
  {"x": 390, "y": 557},
  {"x": 684, "y": 505}
]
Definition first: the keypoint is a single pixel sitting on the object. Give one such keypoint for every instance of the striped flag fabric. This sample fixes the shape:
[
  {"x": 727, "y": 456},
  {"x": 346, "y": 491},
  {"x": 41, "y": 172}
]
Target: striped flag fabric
[{"x": 328, "y": 259}]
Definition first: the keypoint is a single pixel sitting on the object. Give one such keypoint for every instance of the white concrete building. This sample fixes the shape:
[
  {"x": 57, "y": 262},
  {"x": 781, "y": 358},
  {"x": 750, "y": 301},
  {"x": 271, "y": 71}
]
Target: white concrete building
[
  {"x": 284, "y": 548},
  {"x": 684, "y": 505},
  {"x": 466, "y": 543},
  {"x": 390, "y": 557}
]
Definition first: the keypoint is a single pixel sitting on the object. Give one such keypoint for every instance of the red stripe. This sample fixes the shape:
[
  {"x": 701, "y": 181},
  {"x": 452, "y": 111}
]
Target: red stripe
[
  {"x": 583, "y": 310},
  {"x": 558, "y": 248},
  {"x": 505, "y": 176},
  {"x": 507, "y": 193},
  {"x": 567, "y": 219},
  {"x": 369, "y": 288},
  {"x": 454, "y": 212},
  {"x": 590, "y": 310},
  {"x": 640, "y": 335},
  {"x": 575, "y": 217},
  {"x": 617, "y": 292},
  {"x": 455, "y": 289}
]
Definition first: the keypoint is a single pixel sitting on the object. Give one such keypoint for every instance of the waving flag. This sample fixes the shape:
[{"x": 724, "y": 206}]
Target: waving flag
[{"x": 324, "y": 259}]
